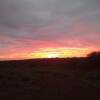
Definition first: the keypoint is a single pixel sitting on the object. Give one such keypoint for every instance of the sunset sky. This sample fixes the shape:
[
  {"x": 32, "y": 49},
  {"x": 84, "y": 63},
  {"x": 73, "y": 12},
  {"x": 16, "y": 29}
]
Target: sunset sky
[{"x": 48, "y": 28}]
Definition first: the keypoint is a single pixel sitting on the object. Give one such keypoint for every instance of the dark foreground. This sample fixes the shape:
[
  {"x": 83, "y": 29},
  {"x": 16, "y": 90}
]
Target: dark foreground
[{"x": 50, "y": 79}]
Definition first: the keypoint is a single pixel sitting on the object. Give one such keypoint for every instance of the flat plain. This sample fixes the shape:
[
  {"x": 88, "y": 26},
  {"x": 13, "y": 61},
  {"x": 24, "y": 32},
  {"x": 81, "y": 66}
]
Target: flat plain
[{"x": 50, "y": 79}]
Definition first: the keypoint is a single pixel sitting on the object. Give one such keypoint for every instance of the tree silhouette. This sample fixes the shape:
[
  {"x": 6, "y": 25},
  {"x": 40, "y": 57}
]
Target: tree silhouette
[{"x": 94, "y": 55}]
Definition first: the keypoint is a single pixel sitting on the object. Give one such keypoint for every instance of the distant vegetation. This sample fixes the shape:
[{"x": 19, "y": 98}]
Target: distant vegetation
[{"x": 94, "y": 54}]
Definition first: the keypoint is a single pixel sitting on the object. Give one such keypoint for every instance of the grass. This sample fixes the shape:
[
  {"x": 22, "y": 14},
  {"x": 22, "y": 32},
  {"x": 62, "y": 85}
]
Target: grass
[{"x": 50, "y": 79}]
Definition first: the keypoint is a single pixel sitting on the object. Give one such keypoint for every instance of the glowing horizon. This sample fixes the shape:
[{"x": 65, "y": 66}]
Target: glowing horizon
[
  {"x": 61, "y": 53},
  {"x": 49, "y": 53}
]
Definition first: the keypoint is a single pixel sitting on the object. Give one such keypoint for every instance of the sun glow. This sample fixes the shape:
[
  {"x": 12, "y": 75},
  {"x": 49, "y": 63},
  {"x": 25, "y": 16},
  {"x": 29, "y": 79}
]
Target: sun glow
[
  {"x": 61, "y": 52},
  {"x": 53, "y": 55}
]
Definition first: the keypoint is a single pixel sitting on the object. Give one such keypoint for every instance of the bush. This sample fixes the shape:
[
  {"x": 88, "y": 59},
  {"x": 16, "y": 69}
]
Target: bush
[{"x": 94, "y": 55}]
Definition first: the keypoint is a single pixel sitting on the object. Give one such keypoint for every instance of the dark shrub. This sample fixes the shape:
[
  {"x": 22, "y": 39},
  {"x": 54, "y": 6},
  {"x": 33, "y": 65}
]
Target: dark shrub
[{"x": 94, "y": 55}]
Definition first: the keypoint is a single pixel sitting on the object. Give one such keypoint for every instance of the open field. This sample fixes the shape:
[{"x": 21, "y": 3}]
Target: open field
[{"x": 50, "y": 79}]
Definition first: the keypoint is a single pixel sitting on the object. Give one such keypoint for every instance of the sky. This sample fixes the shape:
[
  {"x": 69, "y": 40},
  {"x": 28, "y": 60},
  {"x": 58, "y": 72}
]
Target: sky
[{"x": 38, "y": 28}]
